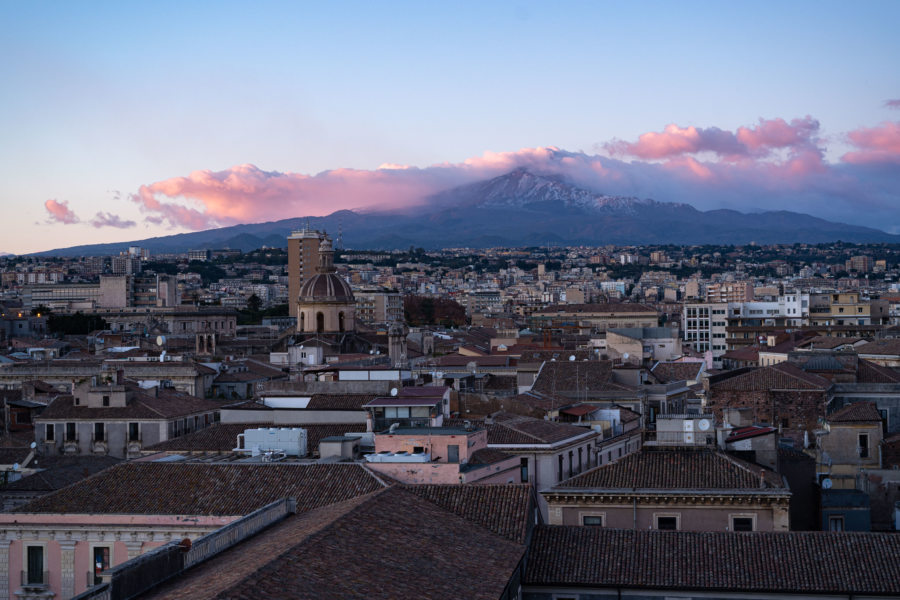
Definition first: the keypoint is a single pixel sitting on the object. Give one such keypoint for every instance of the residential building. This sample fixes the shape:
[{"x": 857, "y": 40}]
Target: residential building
[
  {"x": 667, "y": 489},
  {"x": 732, "y": 291},
  {"x": 303, "y": 257}
]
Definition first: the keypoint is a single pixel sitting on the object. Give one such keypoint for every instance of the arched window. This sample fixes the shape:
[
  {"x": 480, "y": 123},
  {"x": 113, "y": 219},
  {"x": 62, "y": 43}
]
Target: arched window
[
  {"x": 320, "y": 322},
  {"x": 302, "y": 321},
  {"x": 340, "y": 321}
]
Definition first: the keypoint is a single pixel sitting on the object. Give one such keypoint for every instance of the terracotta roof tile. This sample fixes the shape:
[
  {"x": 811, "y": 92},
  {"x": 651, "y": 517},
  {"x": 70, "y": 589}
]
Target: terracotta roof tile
[
  {"x": 783, "y": 376},
  {"x": 205, "y": 489},
  {"x": 857, "y": 412},
  {"x": 668, "y": 470},
  {"x": 777, "y": 562}
]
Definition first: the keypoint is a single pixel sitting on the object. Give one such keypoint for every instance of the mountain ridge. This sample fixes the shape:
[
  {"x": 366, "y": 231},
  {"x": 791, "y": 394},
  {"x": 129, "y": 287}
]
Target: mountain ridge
[{"x": 519, "y": 208}]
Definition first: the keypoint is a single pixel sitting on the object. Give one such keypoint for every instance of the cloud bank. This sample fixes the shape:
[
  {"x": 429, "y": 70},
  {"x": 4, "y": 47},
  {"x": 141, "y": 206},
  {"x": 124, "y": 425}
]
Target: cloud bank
[{"x": 772, "y": 164}]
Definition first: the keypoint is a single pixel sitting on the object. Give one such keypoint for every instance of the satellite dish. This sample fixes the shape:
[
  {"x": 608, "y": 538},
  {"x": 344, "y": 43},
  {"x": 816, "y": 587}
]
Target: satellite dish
[
  {"x": 16, "y": 467},
  {"x": 703, "y": 424},
  {"x": 826, "y": 484},
  {"x": 394, "y": 392},
  {"x": 33, "y": 445},
  {"x": 439, "y": 375},
  {"x": 625, "y": 356},
  {"x": 160, "y": 340},
  {"x": 571, "y": 358}
]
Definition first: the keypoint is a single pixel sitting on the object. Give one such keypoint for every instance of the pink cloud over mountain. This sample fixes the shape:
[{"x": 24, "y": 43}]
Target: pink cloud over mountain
[
  {"x": 772, "y": 164},
  {"x": 879, "y": 144},
  {"x": 59, "y": 212}
]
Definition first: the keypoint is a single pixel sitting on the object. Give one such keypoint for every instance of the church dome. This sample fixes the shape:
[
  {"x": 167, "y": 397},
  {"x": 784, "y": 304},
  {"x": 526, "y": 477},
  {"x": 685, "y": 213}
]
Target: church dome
[{"x": 326, "y": 287}]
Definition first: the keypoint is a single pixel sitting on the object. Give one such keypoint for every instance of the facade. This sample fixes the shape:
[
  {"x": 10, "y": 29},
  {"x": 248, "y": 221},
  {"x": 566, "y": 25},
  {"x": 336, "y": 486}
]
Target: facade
[
  {"x": 441, "y": 455},
  {"x": 591, "y": 318},
  {"x": 734, "y": 291},
  {"x": 704, "y": 328},
  {"x": 782, "y": 396},
  {"x": 378, "y": 306},
  {"x": 118, "y": 419},
  {"x": 686, "y": 490},
  {"x": 852, "y": 444},
  {"x": 303, "y": 256}
]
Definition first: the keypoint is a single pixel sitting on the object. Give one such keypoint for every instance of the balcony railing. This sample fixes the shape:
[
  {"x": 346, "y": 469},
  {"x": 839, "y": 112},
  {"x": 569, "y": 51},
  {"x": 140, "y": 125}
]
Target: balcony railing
[
  {"x": 679, "y": 438},
  {"x": 383, "y": 424},
  {"x": 35, "y": 579}
]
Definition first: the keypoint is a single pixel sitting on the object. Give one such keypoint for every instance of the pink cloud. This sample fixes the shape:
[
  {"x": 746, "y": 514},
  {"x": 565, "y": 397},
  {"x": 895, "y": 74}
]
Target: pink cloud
[
  {"x": 60, "y": 212},
  {"x": 108, "y": 219},
  {"x": 773, "y": 164},
  {"x": 879, "y": 144},
  {"x": 895, "y": 103},
  {"x": 747, "y": 142}
]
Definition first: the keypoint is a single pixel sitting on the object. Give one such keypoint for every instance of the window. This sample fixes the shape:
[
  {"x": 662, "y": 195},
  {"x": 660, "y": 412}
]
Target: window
[
  {"x": 134, "y": 432},
  {"x": 70, "y": 432},
  {"x": 592, "y": 520},
  {"x": 864, "y": 445},
  {"x": 580, "y": 464},
  {"x": 101, "y": 562},
  {"x": 49, "y": 432},
  {"x": 34, "y": 560},
  {"x": 742, "y": 523},
  {"x": 453, "y": 453},
  {"x": 99, "y": 432},
  {"x": 523, "y": 467},
  {"x": 667, "y": 522},
  {"x": 571, "y": 464},
  {"x": 559, "y": 472},
  {"x": 835, "y": 523},
  {"x": 105, "y": 400}
]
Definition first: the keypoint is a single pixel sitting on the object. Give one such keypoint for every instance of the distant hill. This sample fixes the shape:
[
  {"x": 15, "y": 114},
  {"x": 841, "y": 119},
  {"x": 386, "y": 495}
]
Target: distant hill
[{"x": 519, "y": 208}]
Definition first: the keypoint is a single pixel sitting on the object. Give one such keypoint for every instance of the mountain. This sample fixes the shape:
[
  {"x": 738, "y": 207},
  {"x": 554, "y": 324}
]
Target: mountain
[{"x": 519, "y": 208}]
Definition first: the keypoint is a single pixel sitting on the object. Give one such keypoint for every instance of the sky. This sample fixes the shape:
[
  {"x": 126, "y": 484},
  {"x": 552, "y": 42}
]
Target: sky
[{"x": 124, "y": 120}]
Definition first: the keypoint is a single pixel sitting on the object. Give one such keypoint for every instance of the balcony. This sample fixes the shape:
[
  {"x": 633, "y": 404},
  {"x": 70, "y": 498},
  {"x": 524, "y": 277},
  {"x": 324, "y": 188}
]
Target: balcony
[
  {"x": 35, "y": 584},
  {"x": 383, "y": 424},
  {"x": 679, "y": 438}
]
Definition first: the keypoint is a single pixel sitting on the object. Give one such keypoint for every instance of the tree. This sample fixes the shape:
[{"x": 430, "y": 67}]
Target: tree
[{"x": 254, "y": 303}]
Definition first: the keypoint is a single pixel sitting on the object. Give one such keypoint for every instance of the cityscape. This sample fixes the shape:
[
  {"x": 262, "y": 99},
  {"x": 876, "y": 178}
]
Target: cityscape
[{"x": 502, "y": 301}]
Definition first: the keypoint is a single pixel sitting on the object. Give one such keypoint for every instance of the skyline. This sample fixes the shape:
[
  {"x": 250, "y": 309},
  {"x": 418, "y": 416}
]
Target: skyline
[{"x": 133, "y": 121}]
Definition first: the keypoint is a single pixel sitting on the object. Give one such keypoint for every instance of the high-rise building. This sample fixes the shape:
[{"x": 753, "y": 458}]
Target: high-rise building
[{"x": 303, "y": 255}]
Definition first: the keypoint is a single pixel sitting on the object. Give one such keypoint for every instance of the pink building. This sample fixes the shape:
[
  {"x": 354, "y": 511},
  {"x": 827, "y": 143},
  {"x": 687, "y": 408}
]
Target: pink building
[
  {"x": 55, "y": 546},
  {"x": 441, "y": 455}
]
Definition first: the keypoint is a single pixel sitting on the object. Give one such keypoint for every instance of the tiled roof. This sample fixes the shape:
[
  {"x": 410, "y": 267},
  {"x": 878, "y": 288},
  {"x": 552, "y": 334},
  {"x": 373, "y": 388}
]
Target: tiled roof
[
  {"x": 487, "y": 456},
  {"x": 612, "y": 307},
  {"x": 784, "y": 376},
  {"x": 677, "y": 371},
  {"x": 886, "y": 347},
  {"x": 869, "y": 372},
  {"x": 857, "y": 412},
  {"x": 509, "y": 428},
  {"x": 169, "y": 404},
  {"x": 9, "y": 456},
  {"x": 206, "y": 489},
  {"x": 502, "y": 508},
  {"x": 223, "y": 437},
  {"x": 391, "y": 544},
  {"x": 769, "y": 562},
  {"x": 339, "y": 401},
  {"x": 589, "y": 376},
  {"x": 688, "y": 469},
  {"x": 59, "y": 471}
]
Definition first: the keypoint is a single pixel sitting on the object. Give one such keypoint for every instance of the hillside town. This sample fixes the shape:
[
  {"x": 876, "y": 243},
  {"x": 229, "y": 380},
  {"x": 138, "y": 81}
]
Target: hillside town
[{"x": 540, "y": 423}]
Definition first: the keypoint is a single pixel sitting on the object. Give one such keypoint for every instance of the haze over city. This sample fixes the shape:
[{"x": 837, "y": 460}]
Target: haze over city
[{"x": 128, "y": 121}]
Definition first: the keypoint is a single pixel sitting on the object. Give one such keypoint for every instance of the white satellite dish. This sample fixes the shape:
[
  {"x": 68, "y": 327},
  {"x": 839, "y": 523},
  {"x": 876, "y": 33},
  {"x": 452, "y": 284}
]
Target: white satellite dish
[
  {"x": 160, "y": 340},
  {"x": 703, "y": 424},
  {"x": 439, "y": 375},
  {"x": 571, "y": 358},
  {"x": 33, "y": 445},
  {"x": 625, "y": 356},
  {"x": 394, "y": 392},
  {"x": 16, "y": 467},
  {"x": 826, "y": 484}
]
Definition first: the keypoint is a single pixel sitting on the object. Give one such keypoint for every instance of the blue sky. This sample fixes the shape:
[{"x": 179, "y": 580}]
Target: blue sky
[{"x": 103, "y": 98}]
